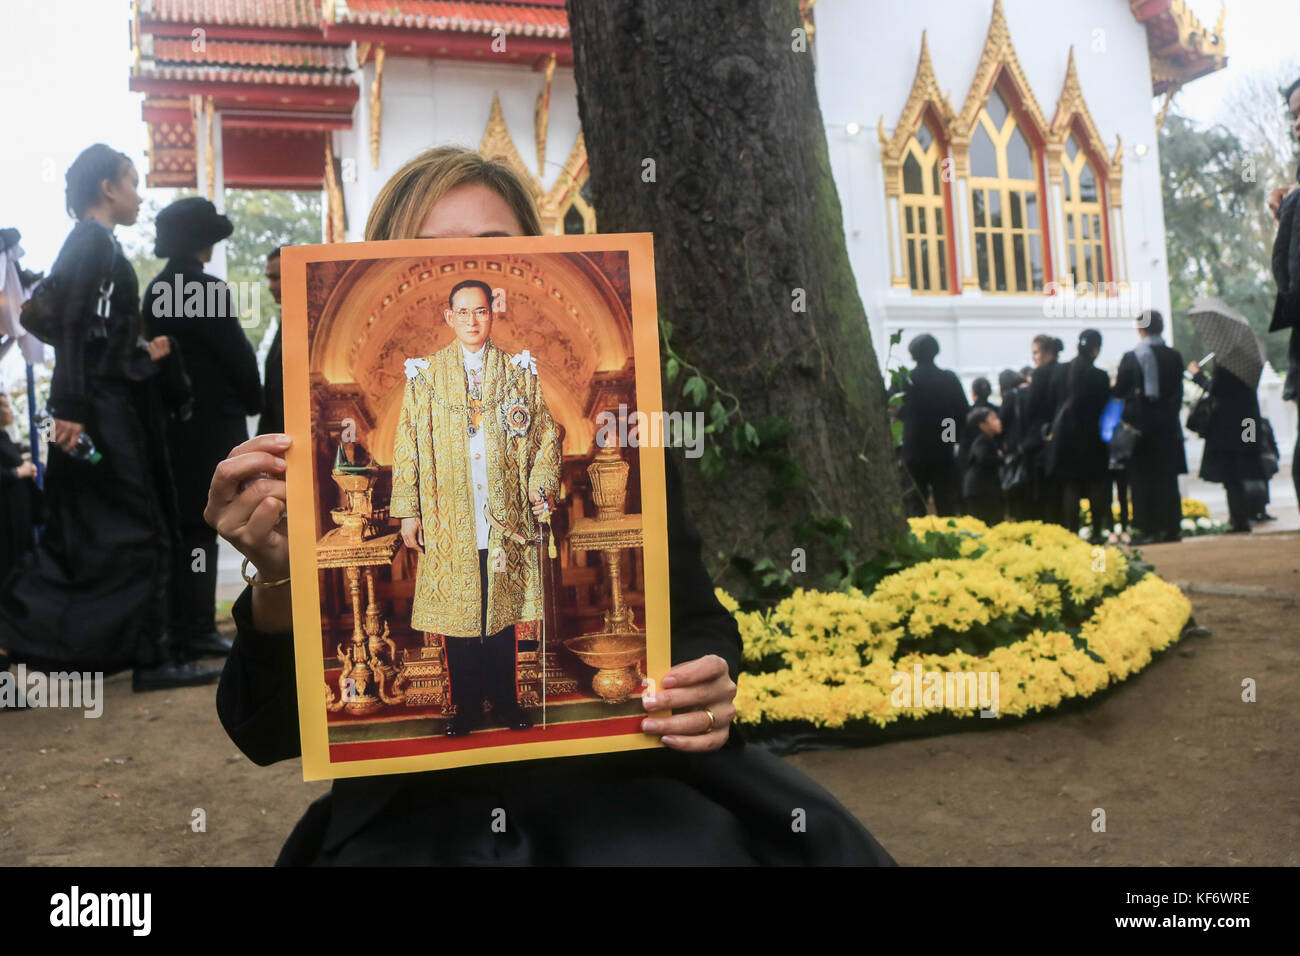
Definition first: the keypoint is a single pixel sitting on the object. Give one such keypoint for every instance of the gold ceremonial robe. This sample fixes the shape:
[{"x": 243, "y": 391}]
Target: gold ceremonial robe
[{"x": 432, "y": 482}]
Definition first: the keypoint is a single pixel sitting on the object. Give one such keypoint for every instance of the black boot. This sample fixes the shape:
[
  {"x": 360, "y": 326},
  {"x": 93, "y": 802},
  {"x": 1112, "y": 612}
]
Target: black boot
[{"x": 174, "y": 674}]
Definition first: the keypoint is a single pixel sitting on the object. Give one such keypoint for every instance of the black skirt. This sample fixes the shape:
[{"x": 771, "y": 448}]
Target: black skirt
[{"x": 738, "y": 806}]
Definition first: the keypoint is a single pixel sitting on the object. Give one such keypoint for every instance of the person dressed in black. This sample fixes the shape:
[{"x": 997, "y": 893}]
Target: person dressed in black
[
  {"x": 981, "y": 485},
  {"x": 96, "y": 598},
  {"x": 1233, "y": 455},
  {"x": 1046, "y": 392},
  {"x": 980, "y": 390},
  {"x": 933, "y": 414},
  {"x": 1150, "y": 381},
  {"x": 1076, "y": 456},
  {"x": 198, "y": 311},
  {"x": 1014, "y": 391},
  {"x": 1285, "y": 202},
  {"x": 272, "y": 420},
  {"x": 20, "y": 501},
  {"x": 705, "y": 797}
]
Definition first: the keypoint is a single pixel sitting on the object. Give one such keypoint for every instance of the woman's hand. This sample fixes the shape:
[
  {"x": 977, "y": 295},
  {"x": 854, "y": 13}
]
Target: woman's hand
[
  {"x": 1193, "y": 368},
  {"x": 690, "y": 689},
  {"x": 413, "y": 534},
  {"x": 26, "y": 470},
  {"x": 66, "y": 434},
  {"x": 160, "y": 348},
  {"x": 1276, "y": 196},
  {"x": 246, "y": 504}
]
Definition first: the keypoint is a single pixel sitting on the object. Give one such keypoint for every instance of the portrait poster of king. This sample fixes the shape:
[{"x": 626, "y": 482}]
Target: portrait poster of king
[{"x": 479, "y": 570}]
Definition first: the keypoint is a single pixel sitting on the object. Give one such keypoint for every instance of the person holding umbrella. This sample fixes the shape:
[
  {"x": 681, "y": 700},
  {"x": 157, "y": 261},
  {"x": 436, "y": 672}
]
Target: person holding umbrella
[{"x": 1233, "y": 434}]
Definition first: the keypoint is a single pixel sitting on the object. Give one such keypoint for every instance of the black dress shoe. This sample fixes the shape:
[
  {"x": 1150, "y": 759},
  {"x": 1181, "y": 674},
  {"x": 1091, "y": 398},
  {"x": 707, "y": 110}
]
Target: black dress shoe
[
  {"x": 168, "y": 676},
  {"x": 513, "y": 716},
  {"x": 459, "y": 726},
  {"x": 211, "y": 644}
]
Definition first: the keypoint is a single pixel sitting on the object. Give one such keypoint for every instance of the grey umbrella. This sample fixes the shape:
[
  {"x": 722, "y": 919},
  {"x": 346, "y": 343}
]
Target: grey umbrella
[{"x": 1230, "y": 337}]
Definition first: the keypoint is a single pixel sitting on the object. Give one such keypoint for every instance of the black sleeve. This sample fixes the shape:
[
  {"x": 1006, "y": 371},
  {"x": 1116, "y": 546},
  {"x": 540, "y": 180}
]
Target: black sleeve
[
  {"x": 237, "y": 356},
  {"x": 700, "y": 625},
  {"x": 257, "y": 699},
  {"x": 1125, "y": 384},
  {"x": 84, "y": 265}
]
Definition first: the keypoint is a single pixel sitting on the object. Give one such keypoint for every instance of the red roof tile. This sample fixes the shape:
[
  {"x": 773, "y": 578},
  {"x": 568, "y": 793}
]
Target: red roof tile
[
  {"x": 459, "y": 15},
  {"x": 259, "y": 13},
  {"x": 302, "y": 56}
]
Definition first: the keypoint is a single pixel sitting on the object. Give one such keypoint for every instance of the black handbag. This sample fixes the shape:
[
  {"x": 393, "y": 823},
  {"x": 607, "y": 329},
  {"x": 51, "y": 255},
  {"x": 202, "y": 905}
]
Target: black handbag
[
  {"x": 1198, "y": 419},
  {"x": 45, "y": 313},
  {"x": 1013, "y": 473},
  {"x": 1122, "y": 443}
]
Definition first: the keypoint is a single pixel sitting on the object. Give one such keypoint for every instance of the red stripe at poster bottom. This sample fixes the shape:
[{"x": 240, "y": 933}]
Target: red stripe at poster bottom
[{"x": 413, "y": 746}]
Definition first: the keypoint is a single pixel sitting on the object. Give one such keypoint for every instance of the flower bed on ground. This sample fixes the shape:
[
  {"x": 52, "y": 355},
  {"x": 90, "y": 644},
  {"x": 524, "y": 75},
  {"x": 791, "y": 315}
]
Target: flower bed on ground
[
  {"x": 1196, "y": 519},
  {"x": 1053, "y": 617}
]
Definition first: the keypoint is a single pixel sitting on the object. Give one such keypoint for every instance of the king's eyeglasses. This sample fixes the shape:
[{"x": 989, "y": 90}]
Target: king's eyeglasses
[{"x": 462, "y": 315}]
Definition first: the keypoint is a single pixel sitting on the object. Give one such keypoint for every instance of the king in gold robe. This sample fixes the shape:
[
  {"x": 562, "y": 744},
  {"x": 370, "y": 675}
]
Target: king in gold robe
[{"x": 432, "y": 481}]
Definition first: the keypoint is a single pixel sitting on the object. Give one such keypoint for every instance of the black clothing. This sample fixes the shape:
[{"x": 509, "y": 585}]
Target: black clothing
[
  {"x": 1286, "y": 308},
  {"x": 968, "y": 434},
  {"x": 198, "y": 311},
  {"x": 981, "y": 484},
  {"x": 272, "y": 420},
  {"x": 1233, "y": 454},
  {"x": 731, "y": 806},
  {"x": 1233, "y": 450},
  {"x": 1046, "y": 392},
  {"x": 96, "y": 596},
  {"x": 484, "y": 666},
  {"x": 188, "y": 225},
  {"x": 1078, "y": 453},
  {"x": 933, "y": 415},
  {"x": 1158, "y": 458},
  {"x": 19, "y": 507}
]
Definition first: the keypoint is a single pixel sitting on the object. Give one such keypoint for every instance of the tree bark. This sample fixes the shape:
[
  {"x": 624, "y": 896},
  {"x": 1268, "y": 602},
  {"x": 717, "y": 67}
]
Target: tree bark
[{"x": 746, "y": 219}]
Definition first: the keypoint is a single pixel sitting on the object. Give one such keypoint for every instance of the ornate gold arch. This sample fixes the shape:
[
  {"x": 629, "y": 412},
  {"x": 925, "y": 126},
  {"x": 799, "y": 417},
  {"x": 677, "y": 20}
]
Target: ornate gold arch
[
  {"x": 924, "y": 95},
  {"x": 563, "y": 309},
  {"x": 1071, "y": 109},
  {"x": 552, "y": 204},
  {"x": 998, "y": 59}
]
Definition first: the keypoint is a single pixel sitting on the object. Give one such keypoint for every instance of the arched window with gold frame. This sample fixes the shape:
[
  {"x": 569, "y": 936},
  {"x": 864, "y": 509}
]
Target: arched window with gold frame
[
  {"x": 998, "y": 142},
  {"x": 925, "y": 227},
  {"x": 1086, "y": 249},
  {"x": 1087, "y": 185},
  {"x": 1007, "y": 219},
  {"x": 918, "y": 191}
]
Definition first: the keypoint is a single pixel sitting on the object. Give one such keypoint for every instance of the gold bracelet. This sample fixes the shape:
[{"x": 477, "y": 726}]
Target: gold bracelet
[{"x": 243, "y": 570}]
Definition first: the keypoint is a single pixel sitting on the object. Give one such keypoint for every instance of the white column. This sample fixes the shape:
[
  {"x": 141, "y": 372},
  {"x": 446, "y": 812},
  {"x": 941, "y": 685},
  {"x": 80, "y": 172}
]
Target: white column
[{"x": 217, "y": 266}]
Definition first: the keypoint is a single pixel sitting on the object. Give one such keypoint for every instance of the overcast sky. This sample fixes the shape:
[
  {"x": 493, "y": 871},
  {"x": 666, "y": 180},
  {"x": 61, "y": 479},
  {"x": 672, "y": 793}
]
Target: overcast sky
[{"x": 64, "y": 66}]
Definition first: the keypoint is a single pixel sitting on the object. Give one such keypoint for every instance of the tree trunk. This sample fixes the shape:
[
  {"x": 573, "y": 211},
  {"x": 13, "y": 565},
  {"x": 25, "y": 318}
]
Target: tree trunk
[{"x": 747, "y": 224}]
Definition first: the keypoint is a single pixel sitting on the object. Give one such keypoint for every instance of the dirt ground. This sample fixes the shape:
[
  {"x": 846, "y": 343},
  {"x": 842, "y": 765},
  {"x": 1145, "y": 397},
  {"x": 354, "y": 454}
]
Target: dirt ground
[{"x": 1186, "y": 772}]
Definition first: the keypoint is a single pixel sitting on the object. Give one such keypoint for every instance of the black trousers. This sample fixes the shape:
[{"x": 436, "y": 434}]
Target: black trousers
[
  {"x": 1238, "y": 505},
  {"x": 1098, "y": 495},
  {"x": 194, "y": 592},
  {"x": 484, "y": 666},
  {"x": 1157, "y": 504},
  {"x": 941, "y": 480}
]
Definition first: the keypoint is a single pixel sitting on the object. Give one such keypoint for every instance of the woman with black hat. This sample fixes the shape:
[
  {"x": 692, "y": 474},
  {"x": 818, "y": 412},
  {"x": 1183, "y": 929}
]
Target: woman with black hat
[
  {"x": 95, "y": 597},
  {"x": 198, "y": 311}
]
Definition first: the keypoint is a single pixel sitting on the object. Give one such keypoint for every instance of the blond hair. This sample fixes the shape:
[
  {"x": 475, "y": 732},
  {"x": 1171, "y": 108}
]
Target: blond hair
[{"x": 404, "y": 202}]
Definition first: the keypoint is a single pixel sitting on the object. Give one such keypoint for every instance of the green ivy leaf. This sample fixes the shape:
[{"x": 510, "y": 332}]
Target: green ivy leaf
[
  {"x": 696, "y": 390},
  {"x": 896, "y": 337},
  {"x": 719, "y": 415},
  {"x": 751, "y": 435},
  {"x": 671, "y": 368}
]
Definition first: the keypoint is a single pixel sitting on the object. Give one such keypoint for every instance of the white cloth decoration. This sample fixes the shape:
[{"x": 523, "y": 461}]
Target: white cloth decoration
[
  {"x": 525, "y": 359},
  {"x": 413, "y": 366}
]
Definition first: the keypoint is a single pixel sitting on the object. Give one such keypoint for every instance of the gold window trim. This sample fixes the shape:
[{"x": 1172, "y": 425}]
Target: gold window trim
[
  {"x": 924, "y": 97},
  {"x": 1073, "y": 116},
  {"x": 998, "y": 64}
]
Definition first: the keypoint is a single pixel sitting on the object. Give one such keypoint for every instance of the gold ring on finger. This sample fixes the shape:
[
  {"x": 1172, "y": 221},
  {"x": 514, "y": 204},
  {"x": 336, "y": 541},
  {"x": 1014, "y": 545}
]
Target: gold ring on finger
[{"x": 712, "y": 720}]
